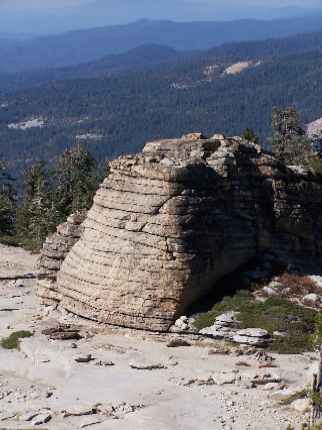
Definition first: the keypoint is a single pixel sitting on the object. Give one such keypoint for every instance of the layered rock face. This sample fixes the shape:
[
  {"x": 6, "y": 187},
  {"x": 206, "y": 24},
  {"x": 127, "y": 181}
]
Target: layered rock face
[
  {"x": 53, "y": 253},
  {"x": 168, "y": 223}
]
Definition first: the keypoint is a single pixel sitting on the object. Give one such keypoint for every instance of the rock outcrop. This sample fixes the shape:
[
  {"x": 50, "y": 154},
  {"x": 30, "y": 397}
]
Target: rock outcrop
[
  {"x": 53, "y": 253},
  {"x": 169, "y": 222}
]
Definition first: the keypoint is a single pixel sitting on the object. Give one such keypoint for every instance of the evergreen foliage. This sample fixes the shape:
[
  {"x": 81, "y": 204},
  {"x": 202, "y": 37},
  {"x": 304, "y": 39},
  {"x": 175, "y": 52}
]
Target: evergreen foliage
[
  {"x": 35, "y": 218},
  {"x": 290, "y": 143},
  {"x": 7, "y": 202},
  {"x": 76, "y": 179},
  {"x": 47, "y": 203},
  {"x": 128, "y": 109},
  {"x": 250, "y": 136}
]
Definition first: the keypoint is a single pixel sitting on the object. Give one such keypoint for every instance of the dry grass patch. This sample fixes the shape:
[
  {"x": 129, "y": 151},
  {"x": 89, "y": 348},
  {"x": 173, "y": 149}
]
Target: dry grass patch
[{"x": 297, "y": 285}]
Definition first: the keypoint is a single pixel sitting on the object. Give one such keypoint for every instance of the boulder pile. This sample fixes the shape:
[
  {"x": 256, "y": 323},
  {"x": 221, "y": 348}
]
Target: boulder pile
[
  {"x": 227, "y": 327},
  {"x": 224, "y": 327},
  {"x": 167, "y": 223}
]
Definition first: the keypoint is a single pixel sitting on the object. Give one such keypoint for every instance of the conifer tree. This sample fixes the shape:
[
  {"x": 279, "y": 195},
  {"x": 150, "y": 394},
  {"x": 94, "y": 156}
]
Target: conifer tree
[
  {"x": 35, "y": 216},
  {"x": 250, "y": 136},
  {"x": 76, "y": 180},
  {"x": 7, "y": 202},
  {"x": 291, "y": 144}
]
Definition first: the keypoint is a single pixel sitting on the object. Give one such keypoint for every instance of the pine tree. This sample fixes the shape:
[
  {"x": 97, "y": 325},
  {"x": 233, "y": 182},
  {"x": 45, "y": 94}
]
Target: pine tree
[
  {"x": 76, "y": 179},
  {"x": 7, "y": 202},
  {"x": 35, "y": 216},
  {"x": 250, "y": 136},
  {"x": 289, "y": 142}
]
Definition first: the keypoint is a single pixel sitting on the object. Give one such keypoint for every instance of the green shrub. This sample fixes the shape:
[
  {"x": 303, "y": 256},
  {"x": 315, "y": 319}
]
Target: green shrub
[
  {"x": 9, "y": 240},
  {"x": 275, "y": 314},
  {"x": 12, "y": 341}
]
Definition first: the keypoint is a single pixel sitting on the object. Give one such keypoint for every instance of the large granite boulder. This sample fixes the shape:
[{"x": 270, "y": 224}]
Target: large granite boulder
[{"x": 169, "y": 222}]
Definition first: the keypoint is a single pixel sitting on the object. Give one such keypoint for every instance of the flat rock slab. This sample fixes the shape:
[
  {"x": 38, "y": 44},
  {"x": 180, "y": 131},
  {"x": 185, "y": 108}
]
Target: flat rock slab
[{"x": 84, "y": 358}]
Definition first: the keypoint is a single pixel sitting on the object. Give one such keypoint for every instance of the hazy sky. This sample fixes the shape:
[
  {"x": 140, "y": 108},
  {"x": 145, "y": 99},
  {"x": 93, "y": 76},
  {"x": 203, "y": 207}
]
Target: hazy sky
[
  {"x": 43, "y": 4},
  {"x": 52, "y": 16}
]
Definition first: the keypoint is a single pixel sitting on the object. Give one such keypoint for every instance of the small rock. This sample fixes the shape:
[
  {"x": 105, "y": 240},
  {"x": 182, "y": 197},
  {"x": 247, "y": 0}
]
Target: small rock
[
  {"x": 252, "y": 336},
  {"x": 28, "y": 416},
  {"x": 41, "y": 419},
  {"x": 199, "y": 381},
  {"x": 266, "y": 379},
  {"x": 84, "y": 358},
  {"x": 218, "y": 351},
  {"x": 213, "y": 332},
  {"x": 19, "y": 284},
  {"x": 312, "y": 299},
  {"x": 145, "y": 366},
  {"x": 174, "y": 343},
  {"x": 104, "y": 363},
  {"x": 80, "y": 411},
  {"x": 181, "y": 324}
]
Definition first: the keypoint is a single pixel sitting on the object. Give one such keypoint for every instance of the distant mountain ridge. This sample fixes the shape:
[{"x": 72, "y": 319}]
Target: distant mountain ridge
[
  {"x": 86, "y": 14},
  {"x": 137, "y": 58},
  {"x": 155, "y": 55},
  {"x": 84, "y": 46}
]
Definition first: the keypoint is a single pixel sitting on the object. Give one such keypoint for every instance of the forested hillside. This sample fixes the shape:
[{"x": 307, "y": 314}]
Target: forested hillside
[
  {"x": 225, "y": 89},
  {"x": 151, "y": 55},
  {"x": 83, "y": 46}
]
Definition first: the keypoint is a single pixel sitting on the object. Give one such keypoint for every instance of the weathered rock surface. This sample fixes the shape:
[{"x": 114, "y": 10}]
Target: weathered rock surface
[
  {"x": 252, "y": 336},
  {"x": 168, "y": 223},
  {"x": 225, "y": 326},
  {"x": 53, "y": 253}
]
